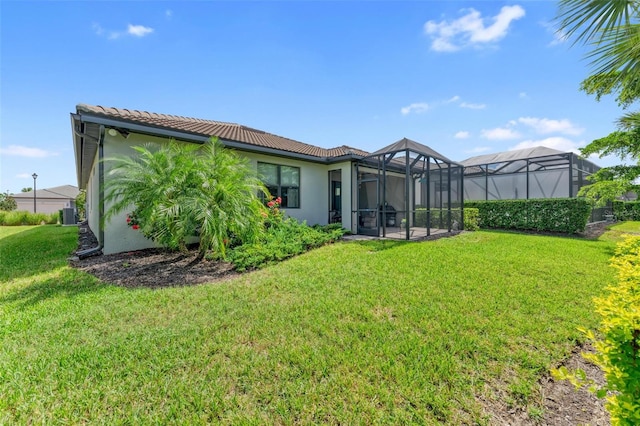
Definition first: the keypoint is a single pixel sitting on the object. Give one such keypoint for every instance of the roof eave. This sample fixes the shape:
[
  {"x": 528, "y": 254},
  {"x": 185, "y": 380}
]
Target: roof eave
[{"x": 194, "y": 137}]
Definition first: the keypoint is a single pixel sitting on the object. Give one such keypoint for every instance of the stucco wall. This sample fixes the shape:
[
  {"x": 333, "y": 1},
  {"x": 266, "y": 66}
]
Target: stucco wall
[
  {"x": 118, "y": 236},
  {"x": 93, "y": 208},
  {"x": 44, "y": 205}
]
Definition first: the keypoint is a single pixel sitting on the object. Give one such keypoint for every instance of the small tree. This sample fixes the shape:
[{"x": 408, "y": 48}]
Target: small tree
[
  {"x": 81, "y": 201},
  {"x": 179, "y": 190},
  {"x": 27, "y": 189},
  {"x": 611, "y": 30},
  {"x": 7, "y": 202}
]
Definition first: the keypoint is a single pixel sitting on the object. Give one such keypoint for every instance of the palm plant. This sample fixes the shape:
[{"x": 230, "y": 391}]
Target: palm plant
[
  {"x": 612, "y": 29},
  {"x": 180, "y": 190}
]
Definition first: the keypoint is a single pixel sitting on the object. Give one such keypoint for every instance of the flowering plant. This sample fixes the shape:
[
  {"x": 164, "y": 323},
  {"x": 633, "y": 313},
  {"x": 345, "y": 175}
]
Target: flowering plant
[
  {"x": 273, "y": 215},
  {"x": 133, "y": 221}
]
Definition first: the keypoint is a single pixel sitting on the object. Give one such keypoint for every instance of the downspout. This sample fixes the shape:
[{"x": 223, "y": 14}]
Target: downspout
[{"x": 97, "y": 250}]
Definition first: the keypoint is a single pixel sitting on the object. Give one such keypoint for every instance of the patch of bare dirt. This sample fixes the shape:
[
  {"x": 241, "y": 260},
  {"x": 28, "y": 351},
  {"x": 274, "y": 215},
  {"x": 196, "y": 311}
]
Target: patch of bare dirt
[{"x": 562, "y": 405}]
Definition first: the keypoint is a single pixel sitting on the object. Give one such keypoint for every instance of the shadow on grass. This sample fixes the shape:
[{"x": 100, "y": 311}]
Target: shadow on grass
[
  {"x": 36, "y": 250},
  {"x": 68, "y": 283},
  {"x": 380, "y": 245}
]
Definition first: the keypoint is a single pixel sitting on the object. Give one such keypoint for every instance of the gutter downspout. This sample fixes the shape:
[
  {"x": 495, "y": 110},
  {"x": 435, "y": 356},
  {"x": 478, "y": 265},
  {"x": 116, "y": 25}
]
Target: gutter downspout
[{"x": 97, "y": 250}]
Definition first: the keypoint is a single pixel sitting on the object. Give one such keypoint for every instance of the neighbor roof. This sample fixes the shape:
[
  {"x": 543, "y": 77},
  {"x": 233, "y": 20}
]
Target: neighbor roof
[
  {"x": 223, "y": 130},
  {"x": 61, "y": 192},
  {"x": 519, "y": 154}
]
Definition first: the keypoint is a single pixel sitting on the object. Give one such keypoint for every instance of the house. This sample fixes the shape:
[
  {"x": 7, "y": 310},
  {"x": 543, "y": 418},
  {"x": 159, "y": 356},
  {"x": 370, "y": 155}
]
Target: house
[
  {"x": 404, "y": 183},
  {"x": 537, "y": 172},
  {"x": 49, "y": 200}
]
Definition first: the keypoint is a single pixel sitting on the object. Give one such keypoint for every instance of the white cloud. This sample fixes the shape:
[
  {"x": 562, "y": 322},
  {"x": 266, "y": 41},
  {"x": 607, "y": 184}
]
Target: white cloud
[
  {"x": 545, "y": 126},
  {"x": 139, "y": 30},
  {"x": 24, "y": 151},
  {"x": 470, "y": 29},
  {"x": 132, "y": 30},
  {"x": 478, "y": 150},
  {"x": 418, "y": 108},
  {"x": 472, "y": 106},
  {"x": 455, "y": 98},
  {"x": 500, "y": 133},
  {"x": 463, "y": 134},
  {"x": 557, "y": 142},
  {"x": 24, "y": 176},
  {"x": 523, "y": 95},
  {"x": 168, "y": 13}
]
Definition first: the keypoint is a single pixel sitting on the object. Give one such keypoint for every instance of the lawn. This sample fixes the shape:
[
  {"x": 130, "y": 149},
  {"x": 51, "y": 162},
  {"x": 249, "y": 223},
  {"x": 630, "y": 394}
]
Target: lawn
[{"x": 351, "y": 333}]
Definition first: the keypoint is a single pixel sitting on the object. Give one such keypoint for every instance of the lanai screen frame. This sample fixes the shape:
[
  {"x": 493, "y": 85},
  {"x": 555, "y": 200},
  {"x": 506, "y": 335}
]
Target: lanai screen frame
[
  {"x": 577, "y": 168},
  {"x": 419, "y": 170}
]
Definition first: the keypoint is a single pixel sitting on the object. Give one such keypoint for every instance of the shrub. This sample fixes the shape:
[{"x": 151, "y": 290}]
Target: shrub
[
  {"x": 23, "y": 217},
  {"x": 471, "y": 216},
  {"x": 568, "y": 215},
  {"x": 439, "y": 218},
  {"x": 626, "y": 210},
  {"x": 618, "y": 350},
  {"x": 282, "y": 239},
  {"x": 7, "y": 202}
]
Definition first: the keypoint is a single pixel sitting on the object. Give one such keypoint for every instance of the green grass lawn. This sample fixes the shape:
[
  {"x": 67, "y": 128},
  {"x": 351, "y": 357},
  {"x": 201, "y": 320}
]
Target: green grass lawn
[{"x": 351, "y": 333}]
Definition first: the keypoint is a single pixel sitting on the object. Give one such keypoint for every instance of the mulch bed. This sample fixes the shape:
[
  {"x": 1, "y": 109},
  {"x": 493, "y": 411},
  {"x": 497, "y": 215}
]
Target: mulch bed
[
  {"x": 157, "y": 268},
  {"x": 150, "y": 268}
]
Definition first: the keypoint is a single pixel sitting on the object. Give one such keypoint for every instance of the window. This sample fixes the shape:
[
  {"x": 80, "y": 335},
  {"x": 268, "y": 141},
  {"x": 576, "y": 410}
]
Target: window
[{"x": 283, "y": 182}]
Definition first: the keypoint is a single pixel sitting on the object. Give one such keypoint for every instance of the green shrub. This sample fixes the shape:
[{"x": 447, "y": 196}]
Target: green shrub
[
  {"x": 439, "y": 218},
  {"x": 626, "y": 210},
  {"x": 23, "y": 217},
  {"x": 568, "y": 215},
  {"x": 471, "y": 216},
  {"x": 618, "y": 349},
  {"x": 16, "y": 218},
  {"x": 282, "y": 239}
]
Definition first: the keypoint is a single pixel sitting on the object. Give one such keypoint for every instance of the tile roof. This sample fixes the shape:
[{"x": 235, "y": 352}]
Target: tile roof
[{"x": 225, "y": 131}]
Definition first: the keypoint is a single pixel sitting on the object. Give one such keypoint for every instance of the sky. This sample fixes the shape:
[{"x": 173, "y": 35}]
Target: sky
[{"x": 464, "y": 77}]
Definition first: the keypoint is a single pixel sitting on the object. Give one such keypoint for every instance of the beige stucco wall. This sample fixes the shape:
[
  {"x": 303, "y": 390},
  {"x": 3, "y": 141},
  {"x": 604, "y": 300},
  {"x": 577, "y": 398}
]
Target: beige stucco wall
[
  {"x": 44, "y": 205},
  {"x": 93, "y": 208},
  {"x": 314, "y": 193},
  {"x": 118, "y": 236}
]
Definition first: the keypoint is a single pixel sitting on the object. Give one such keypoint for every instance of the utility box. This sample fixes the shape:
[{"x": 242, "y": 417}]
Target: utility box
[{"x": 68, "y": 216}]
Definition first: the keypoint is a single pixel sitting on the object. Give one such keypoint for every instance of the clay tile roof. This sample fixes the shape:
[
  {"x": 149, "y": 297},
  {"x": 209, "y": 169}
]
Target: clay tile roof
[{"x": 223, "y": 130}]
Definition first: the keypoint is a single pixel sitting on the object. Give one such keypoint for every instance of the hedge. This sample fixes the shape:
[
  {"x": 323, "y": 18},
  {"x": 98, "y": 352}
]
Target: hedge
[
  {"x": 626, "y": 210},
  {"x": 568, "y": 215},
  {"x": 439, "y": 218}
]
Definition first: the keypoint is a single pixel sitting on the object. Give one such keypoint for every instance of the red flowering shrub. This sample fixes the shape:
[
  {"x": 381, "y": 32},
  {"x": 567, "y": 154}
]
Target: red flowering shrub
[{"x": 133, "y": 221}]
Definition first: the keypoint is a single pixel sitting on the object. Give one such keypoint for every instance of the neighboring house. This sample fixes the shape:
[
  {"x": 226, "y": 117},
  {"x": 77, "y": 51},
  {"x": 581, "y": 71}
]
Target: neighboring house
[
  {"x": 319, "y": 185},
  {"x": 49, "y": 200},
  {"x": 537, "y": 172}
]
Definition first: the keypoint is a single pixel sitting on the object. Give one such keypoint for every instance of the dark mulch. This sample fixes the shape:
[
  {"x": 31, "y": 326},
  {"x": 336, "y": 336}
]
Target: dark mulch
[
  {"x": 157, "y": 268},
  {"x": 151, "y": 268}
]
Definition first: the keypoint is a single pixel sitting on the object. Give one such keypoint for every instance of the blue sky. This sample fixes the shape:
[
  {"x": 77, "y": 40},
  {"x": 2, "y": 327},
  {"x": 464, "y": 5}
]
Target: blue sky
[{"x": 465, "y": 78}]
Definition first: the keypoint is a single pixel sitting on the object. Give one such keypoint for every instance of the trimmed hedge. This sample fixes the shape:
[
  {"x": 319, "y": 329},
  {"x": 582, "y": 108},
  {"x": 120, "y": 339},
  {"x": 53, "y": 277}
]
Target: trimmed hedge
[
  {"x": 626, "y": 210},
  {"x": 569, "y": 215},
  {"x": 439, "y": 218}
]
